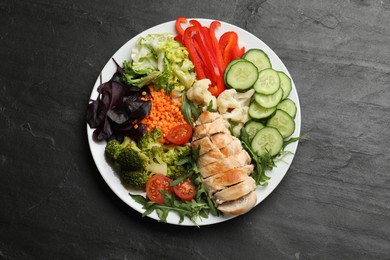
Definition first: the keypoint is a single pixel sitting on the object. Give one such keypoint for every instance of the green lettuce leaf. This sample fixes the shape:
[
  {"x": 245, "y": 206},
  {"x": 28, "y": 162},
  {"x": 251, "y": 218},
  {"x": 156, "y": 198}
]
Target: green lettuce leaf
[{"x": 159, "y": 59}]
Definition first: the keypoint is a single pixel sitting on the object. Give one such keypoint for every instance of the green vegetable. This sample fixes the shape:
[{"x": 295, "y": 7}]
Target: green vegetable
[
  {"x": 189, "y": 110},
  {"x": 135, "y": 179},
  {"x": 150, "y": 140},
  {"x": 198, "y": 208},
  {"x": 138, "y": 161},
  {"x": 114, "y": 147},
  {"x": 132, "y": 158},
  {"x": 159, "y": 59}
]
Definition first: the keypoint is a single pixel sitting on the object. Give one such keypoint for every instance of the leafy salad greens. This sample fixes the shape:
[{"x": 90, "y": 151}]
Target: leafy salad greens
[{"x": 160, "y": 60}]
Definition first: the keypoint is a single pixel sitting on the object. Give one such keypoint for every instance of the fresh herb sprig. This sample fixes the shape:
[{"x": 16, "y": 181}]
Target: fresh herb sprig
[{"x": 189, "y": 110}]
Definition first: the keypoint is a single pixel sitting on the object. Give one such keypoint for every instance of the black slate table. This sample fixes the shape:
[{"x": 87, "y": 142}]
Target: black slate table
[{"x": 334, "y": 202}]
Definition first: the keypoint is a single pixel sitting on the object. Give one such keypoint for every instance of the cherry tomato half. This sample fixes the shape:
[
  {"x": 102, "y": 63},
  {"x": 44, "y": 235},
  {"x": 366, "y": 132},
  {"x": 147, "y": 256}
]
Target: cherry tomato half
[
  {"x": 180, "y": 134},
  {"x": 185, "y": 190},
  {"x": 156, "y": 183}
]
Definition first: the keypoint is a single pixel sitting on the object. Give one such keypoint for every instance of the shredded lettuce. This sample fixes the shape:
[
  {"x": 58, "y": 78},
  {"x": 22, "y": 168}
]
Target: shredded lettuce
[{"x": 159, "y": 59}]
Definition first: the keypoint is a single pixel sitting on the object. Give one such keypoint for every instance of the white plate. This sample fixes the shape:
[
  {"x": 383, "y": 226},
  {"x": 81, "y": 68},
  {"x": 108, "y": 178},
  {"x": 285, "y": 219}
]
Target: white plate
[{"x": 97, "y": 149}]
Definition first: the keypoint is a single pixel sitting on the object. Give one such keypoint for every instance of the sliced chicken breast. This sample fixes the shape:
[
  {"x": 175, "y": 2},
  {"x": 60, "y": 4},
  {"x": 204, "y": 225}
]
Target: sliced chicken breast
[
  {"x": 235, "y": 192},
  {"x": 207, "y": 117},
  {"x": 239, "y": 206},
  {"x": 205, "y": 145},
  {"x": 209, "y": 129},
  {"x": 223, "y": 180},
  {"x": 221, "y": 140},
  {"x": 224, "y": 165},
  {"x": 232, "y": 148},
  {"x": 231, "y": 162},
  {"x": 210, "y": 157}
]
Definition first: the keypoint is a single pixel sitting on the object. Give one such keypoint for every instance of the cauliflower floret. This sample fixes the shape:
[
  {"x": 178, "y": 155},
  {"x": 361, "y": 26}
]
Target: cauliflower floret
[
  {"x": 244, "y": 98},
  {"x": 226, "y": 100},
  {"x": 199, "y": 93},
  {"x": 238, "y": 115},
  {"x": 236, "y": 131}
]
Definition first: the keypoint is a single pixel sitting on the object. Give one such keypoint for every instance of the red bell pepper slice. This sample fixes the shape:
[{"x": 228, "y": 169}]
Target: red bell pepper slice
[
  {"x": 217, "y": 88},
  {"x": 206, "y": 49},
  {"x": 179, "y": 28},
  {"x": 228, "y": 44},
  {"x": 217, "y": 50},
  {"x": 189, "y": 44},
  {"x": 205, "y": 41}
]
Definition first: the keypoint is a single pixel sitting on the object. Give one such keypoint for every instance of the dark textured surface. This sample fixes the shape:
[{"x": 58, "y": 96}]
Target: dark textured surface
[{"x": 334, "y": 203}]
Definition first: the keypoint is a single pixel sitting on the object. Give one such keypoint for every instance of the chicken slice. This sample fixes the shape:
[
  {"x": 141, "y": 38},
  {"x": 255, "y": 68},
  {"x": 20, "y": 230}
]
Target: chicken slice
[
  {"x": 221, "y": 140},
  {"x": 209, "y": 129},
  {"x": 236, "y": 191},
  {"x": 231, "y": 162},
  {"x": 205, "y": 145},
  {"x": 223, "y": 180},
  {"x": 207, "y": 117},
  {"x": 210, "y": 157},
  {"x": 239, "y": 206},
  {"x": 232, "y": 148}
]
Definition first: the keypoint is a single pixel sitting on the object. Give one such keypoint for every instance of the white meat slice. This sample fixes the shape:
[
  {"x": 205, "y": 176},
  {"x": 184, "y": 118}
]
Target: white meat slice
[
  {"x": 235, "y": 192},
  {"x": 239, "y": 206},
  {"x": 209, "y": 129},
  {"x": 207, "y": 117},
  {"x": 205, "y": 145},
  {"x": 221, "y": 140},
  {"x": 210, "y": 157},
  {"x": 232, "y": 148},
  {"x": 231, "y": 162},
  {"x": 223, "y": 180}
]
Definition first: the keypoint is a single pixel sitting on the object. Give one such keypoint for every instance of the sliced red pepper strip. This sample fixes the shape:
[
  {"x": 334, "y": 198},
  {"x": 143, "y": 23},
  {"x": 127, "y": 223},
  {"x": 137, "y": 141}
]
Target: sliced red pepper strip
[
  {"x": 206, "y": 70},
  {"x": 179, "y": 29},
  {"x": 209, "y": 42},
  {"x": 214, "y": 40},
  {"x": 179, "y": 38},
  {"x": 217, "y": 89},
  {"x": 207, "y": 51},
  {"x": 230, "y": 41},
  {"x": 188, "y": 42}
]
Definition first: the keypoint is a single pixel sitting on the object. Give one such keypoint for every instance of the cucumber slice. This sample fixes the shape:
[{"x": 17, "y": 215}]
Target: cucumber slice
[
  {"x": 283, "y": 122},
  {"x": 267, "y": 140},
  {"x": 259, "y": 58},
  {"x": 268, "y": 82},
  {"x": 241, "y": 75},
  {"x": 285, "y": 84},
  {"x": 258, "y": 112},
  {"x": 268, "y": 101},
  {"x": 228, "y": 67},
  {"x": 288, "y": 106},
  {"x": 252, "y": 127}
]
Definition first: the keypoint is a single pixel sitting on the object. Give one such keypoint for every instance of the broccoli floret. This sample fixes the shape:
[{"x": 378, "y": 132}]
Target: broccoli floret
[
  {"x": 157, "y": 163},
  {"x": 114, "y": 147},
  {"x": 150, "y": 140},
  {"x": 175, "y": 171},
  {"x": 173, "y": 154},
  {"x": 135, "y": 179},
  {"x": 131, "y": 158},
  {"x": 175, "y": 157}
]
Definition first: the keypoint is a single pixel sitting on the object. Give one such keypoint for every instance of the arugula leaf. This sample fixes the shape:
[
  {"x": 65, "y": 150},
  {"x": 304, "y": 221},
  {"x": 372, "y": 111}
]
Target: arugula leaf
[
  {"x": 292, "y": 140},
  {"x": 189, "y": 110},
  {"x": 210, "y": 107}
]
